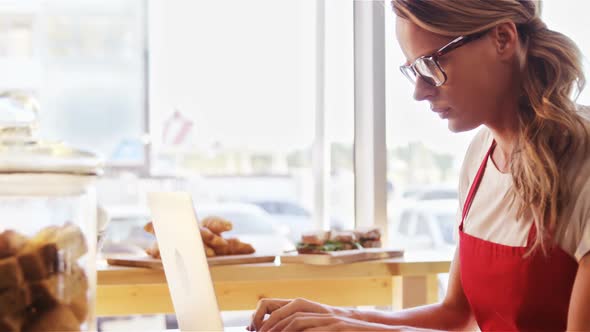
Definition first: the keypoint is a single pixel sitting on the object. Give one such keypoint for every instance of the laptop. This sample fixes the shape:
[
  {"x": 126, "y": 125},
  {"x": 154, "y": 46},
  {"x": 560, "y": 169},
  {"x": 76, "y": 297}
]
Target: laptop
[{"x": 185, "y": 263}]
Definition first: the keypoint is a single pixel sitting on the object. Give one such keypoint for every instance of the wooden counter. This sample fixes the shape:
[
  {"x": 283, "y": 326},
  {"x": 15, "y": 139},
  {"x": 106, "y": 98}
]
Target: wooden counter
[{"x": 400, "y": 282}]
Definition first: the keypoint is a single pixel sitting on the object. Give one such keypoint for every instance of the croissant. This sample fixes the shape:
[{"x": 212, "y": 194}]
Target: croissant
[
  {"x": 154, "y": 251},
  {"x": 237, "y": 247},
  {"x": 214, "y": 244},
  {"x": 217, "y": 225},
  {"x": 209, "y": 251},
  {"x": 206, "y": 234},
  {"x": 233, "y": 246},
  {"x": 149, "y": 227},
  {"x": 222, "y": 250},
  {"x": 215, "y": 241}
]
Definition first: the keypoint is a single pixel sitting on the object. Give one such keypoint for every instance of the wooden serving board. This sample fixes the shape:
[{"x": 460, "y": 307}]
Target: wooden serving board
[
  {"x": 342, "y": 257},
  {"x": 153, "y": 263}
]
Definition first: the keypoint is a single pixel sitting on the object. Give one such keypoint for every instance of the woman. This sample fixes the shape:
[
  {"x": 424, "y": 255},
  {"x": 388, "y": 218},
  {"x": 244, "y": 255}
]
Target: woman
[{"x": 522, "y": 262}]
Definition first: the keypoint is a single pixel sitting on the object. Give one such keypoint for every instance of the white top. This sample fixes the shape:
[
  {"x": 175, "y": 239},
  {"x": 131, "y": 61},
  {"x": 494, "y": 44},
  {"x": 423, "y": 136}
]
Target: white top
[{"x": 491, "y": 217}]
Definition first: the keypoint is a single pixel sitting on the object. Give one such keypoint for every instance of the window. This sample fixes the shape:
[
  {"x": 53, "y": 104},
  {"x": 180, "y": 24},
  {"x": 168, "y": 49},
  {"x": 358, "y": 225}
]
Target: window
[
  {"x": 569, "y": 18},
  {"x": 448, "y": 227},
  {"x": 92, "y": 89},
  {"x": 85, "y": 65},
  {"x": 422, "y": 226},
  {"x": 424, "y": 157},
  {"x": 244, "y": 219},
  {"x": 339, "y": 108},
  {"x": 403, "y": 226},
  {"x": 19, "y": 52},
  {"x": 234, "y": 92},
  {"x": 16, "y": 35}
]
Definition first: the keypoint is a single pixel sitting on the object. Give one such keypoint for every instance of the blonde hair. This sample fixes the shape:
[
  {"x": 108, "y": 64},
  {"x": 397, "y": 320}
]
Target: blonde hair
[{"x": 551, "y": 128}]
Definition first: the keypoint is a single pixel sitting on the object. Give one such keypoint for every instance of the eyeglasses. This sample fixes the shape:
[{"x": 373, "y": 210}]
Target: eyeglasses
[{"x": 428, "y": 68}]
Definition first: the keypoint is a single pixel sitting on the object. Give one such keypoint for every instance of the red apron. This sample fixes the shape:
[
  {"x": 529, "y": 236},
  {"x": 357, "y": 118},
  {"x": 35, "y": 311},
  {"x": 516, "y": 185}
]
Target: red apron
[{"x": 510, "y": 292}]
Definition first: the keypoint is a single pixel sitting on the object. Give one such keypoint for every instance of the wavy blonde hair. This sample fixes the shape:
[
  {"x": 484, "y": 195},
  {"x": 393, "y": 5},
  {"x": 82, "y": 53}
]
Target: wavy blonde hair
[{"x": 552, "y": 129}]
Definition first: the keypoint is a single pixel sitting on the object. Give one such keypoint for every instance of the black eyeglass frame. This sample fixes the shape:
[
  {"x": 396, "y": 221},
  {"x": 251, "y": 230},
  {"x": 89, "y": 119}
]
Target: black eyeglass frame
[{"x": 452, "y": 45}]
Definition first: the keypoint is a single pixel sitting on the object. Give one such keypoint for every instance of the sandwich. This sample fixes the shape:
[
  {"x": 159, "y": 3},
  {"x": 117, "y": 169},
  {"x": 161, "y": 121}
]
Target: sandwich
[
  {"x": 323, "y": 242},
  {"x": 369, "y": 237}
]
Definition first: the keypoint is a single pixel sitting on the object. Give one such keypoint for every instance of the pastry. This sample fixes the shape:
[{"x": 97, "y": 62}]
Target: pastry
[
  {"x": 12, "y": 323},
  {"x": 39, "y": 261},
  {"x": 149, "y": 227},
  {"x": 217, "y": 225},
  {"x": 237, "y": 247},
  {"x": 206, "y": 234},
  {"x": 10, "y": 273},
  {"x": 60, "y": 288},
  {"x": 11, "y": 242},
  {"x": 216, "y": 242},
  {"x": 68, "y": 238},
  {"x": 58, "y": 319},
  {"x": 209, "y": 251},
  {"x": 79, "y": 307},
  {"x": 154, "y": 251},
  {"x": 13, "y": 300}
]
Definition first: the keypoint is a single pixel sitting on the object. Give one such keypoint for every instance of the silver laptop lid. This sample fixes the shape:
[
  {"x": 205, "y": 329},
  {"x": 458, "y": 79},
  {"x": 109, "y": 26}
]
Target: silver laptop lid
[{"x": 185, "y": 262}]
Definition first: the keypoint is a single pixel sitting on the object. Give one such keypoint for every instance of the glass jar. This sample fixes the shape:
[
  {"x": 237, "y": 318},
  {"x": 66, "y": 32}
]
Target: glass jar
[{"x": 47, "y": 228}]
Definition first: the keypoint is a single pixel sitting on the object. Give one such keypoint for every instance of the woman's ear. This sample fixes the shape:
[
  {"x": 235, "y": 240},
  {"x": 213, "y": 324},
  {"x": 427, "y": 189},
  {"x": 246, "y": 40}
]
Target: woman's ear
[{"x": 505, "y": 38}]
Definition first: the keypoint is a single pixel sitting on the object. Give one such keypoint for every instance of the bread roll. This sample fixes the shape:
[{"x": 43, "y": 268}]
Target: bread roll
[
  {"x": 79, "y": 307},
  {"x": 368, "y": 233},
  {"x": 343, "y": 236},
  {"x": 39, "y": 261},
  {"x": 69, "y": 240},
  {"x": 14, "y": 300},
  {"x": 62, "y": 288},
  {"x": 371, "y": 244},
  {"x": 11, "y": 275},
  {"x": 11, "y": 243},
  {"x": 12, "y": 323},
  {"x": 315, "y": 238}
]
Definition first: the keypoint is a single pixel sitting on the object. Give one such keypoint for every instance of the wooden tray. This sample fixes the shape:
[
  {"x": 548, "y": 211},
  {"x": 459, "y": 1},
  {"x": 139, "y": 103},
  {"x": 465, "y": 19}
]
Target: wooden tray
[
  {"x": 342, "y": 257},
  {"x": 153, "y": 263}
]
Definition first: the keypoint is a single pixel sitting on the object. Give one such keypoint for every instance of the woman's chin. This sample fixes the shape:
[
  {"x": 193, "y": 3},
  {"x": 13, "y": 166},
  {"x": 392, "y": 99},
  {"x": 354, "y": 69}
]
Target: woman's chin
[{"x": 456, "y": 126}]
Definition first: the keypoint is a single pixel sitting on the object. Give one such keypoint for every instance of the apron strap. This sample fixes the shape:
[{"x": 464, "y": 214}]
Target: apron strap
[
  {"x": 475, "y": 184},
  {"x": 473, "y": 190}
]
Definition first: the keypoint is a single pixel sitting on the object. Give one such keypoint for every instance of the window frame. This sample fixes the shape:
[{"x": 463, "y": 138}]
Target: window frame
[{"x": 370, "y": 154}]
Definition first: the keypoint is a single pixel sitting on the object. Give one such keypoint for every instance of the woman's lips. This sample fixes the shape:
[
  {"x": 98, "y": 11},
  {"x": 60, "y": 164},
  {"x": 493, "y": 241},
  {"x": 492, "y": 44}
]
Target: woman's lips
[{"x": 443, "y": 112}]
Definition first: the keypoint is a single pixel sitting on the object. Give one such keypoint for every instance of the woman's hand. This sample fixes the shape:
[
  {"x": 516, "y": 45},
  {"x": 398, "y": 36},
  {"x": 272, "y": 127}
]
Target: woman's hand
[
  {"x": 304, "y": 321},
  {"x": 280, "y": 310}
]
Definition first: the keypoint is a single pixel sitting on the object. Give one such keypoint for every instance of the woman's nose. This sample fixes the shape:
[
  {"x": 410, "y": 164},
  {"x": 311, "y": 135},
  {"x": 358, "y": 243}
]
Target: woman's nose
[{"x": 423, "y": 90}]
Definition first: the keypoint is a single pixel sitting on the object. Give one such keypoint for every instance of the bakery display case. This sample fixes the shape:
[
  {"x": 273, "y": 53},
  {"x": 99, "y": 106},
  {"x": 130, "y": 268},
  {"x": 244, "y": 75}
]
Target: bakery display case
[{"x": 47, "y": 227}]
